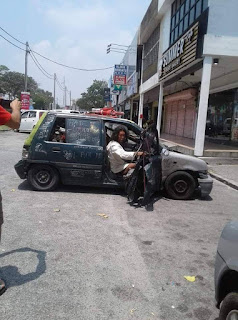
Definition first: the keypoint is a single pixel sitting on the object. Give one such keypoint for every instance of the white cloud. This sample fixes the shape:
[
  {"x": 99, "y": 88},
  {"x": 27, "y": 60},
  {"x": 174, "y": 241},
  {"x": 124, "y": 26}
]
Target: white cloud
[{"x": 84, "y": 30}]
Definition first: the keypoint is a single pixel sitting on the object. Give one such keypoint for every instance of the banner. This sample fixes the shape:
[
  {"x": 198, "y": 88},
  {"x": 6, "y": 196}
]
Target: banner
[
  {"x": 25, "y": 100},
  {"x": 120, "y": 73}
]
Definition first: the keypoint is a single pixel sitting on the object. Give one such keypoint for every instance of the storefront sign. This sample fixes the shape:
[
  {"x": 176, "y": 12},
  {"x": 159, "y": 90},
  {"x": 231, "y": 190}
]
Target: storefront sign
[
  {"x": 107, "y": 95},
  {"x": 180, "y": 54},
  {"x": 120, "y": 73},
  {"x": 132, "y": 85},
  {"x": 25, "y": 100}
]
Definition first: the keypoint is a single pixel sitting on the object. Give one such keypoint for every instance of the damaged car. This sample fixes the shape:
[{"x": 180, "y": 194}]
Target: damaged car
[{"x": 71, "y": 149}]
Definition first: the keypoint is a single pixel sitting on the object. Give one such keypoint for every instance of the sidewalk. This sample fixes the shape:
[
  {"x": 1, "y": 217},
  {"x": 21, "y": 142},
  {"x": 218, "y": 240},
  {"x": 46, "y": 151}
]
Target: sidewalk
[
  {"x": 224, "y": 170},
  {"x": 211, "y": 149}
]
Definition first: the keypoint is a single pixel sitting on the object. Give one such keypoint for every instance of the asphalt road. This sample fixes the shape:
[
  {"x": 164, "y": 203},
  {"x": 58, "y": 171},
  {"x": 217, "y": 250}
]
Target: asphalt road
[{"x": 74, "y": 264}]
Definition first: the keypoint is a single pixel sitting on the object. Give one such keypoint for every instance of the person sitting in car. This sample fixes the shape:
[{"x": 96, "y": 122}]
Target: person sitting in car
[{"x": 118, "y": 157}]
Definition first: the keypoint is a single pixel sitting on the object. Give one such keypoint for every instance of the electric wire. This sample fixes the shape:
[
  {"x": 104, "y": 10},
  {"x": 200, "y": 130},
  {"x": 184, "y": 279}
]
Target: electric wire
[
  {"x": 12, "y": 36},
  {"x": 12, "y": 43},
  {"x": 38, "y": 66},
  {"x": 55, "y": 62}
]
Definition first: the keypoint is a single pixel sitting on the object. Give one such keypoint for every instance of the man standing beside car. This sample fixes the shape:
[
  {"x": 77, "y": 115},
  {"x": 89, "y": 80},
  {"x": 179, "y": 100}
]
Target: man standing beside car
[{"x": 12, "y": 120}]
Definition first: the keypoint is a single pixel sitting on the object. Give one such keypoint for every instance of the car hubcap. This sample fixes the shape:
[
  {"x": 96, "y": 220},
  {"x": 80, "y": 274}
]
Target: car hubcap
[
  {"x": 233, "y": 315},
  {"x": 180, "y": 186},
  {"x": 43, "y": 177}
]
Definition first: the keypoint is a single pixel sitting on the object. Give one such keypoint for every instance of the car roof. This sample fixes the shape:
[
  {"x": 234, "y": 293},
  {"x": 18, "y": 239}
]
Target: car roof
[{"x": 91, "y": 116}]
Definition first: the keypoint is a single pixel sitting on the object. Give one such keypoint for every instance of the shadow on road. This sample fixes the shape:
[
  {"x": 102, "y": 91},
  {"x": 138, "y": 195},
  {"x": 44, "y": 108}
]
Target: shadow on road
[
  {"x": 106, "y": 190},
  {"x": 76, "y": 189},
  {"x": 13, "y": 277}
]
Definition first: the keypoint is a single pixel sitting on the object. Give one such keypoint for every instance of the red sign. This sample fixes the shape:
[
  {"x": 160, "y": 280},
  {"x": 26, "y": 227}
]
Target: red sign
[
  {"x": 120, "y": 80},
  {"x": 25, "y": 100}
]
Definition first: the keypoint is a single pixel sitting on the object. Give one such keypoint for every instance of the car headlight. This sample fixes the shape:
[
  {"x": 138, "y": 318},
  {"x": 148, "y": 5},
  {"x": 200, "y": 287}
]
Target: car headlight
[
  {"x": 25, "y": 154},
  {"x": 203, "y": 174}
]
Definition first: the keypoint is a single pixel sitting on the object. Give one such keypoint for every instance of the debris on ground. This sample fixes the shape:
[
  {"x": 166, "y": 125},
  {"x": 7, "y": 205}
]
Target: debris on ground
[
  {"x": 190, "y": 278},
  {"x": 56, "y": 210},
  {"x": 103, "y": 215},
  {"x": 13, "y": 190},
  {"x": 132, "y": 311}
]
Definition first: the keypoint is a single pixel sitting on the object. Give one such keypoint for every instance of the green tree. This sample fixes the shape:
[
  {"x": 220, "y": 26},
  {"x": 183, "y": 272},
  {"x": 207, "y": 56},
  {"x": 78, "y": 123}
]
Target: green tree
[
  {"x": 42, "y": 99},
  {"x": 3, "y": 70},
  {"x": 94, "y": 97},
  {"x": 12, "y": 83}
]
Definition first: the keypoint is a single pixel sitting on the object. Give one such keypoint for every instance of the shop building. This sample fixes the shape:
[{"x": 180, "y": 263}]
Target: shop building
[{"x": 194, "y": 86}]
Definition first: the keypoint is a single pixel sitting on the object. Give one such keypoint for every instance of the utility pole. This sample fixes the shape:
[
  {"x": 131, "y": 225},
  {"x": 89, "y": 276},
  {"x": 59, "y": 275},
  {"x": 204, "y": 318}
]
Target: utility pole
[
  {"x": 64, "y": 104},
  {"x": 70, "y": 98},
  {"x": 65, "y": 95},
  {"x": 26, "y": 61},
  {"x": 54, "y": 89}
]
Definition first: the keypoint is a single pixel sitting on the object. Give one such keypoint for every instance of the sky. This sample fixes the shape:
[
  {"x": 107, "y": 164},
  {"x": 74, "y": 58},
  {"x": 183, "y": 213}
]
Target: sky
[{"x": 72, "y": 32}]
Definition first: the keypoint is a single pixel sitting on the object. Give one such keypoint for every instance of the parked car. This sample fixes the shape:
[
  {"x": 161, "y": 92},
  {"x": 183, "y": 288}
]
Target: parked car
[
  {"x": 71, "y": 148},
  {"x": 226, "y": 272},
  {"x": 29, "y": 119}
]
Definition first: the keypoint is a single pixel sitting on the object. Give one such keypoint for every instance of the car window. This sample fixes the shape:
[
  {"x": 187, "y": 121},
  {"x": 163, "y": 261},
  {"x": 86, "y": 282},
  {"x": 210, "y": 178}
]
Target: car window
[
  {"x": 83, "y": 132},
  {"x": 110, "y": 127},
  {"x": 58, "y": 133},
  {"x": 24, "y": 115},
  {"x": 32, "y": 114}
]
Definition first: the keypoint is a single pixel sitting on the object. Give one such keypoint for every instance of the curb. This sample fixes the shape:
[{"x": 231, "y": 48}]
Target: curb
[{"x": 223, "y": 180}]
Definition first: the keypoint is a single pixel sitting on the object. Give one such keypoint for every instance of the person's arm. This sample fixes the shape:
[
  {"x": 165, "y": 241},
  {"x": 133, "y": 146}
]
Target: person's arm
[
  {"x": 117, "y": 149},
  {"x": 15, "y": 119}
]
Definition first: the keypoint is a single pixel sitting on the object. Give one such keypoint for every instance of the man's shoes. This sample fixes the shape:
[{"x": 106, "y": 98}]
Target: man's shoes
[{"x": 2, "y": 287}]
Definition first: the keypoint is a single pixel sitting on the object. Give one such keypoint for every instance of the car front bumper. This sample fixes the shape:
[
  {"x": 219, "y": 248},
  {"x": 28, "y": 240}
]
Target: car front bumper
[
  {"x": 205, "y": 185},
  {"x": 20, "y": 168}
]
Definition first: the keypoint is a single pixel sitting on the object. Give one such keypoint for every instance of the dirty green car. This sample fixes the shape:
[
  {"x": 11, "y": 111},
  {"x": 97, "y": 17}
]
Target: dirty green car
[{"x": 71, "y": 149}]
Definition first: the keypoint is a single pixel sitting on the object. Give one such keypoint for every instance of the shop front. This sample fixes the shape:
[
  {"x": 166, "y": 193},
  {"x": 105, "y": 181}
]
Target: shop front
[
  {"x": 222, "y": 117},
  {"x": 180, "y": 113},
  {"x": 150, "y": 108}
]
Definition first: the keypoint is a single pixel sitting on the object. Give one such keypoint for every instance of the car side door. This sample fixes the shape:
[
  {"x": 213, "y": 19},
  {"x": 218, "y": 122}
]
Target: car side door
[
  {"x": 79, "y": 157},
  {"x": 24, "y": 117},
  {"x": 31, "y": 120}
]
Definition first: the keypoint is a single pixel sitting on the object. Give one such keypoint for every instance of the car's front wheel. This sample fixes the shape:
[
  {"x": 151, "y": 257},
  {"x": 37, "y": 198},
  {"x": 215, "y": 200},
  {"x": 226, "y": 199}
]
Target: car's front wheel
[
  {"x": 180, "y": 185},
  {"x": 229, "y": 307},
  {"x": 43, "y": 178}
]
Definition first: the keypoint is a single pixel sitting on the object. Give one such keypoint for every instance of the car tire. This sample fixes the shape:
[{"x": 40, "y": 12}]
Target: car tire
[
  {"x": 43, "y": 178},
  {"x": 180, "y": 185},
  {"x": 229, "y": 306}
]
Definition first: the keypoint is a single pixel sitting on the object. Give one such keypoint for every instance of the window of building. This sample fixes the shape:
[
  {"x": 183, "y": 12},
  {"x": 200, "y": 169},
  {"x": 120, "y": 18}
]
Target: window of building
[{"x": 184, "y": 13}]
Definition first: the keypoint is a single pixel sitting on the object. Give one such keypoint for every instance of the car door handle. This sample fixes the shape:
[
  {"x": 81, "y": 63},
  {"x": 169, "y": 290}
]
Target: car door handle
[{"x": 56, "y": 149}]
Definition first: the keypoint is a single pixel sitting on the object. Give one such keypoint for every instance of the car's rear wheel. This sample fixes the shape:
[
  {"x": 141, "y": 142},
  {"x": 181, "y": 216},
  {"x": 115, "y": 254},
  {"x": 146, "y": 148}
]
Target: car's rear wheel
[
  {"x": 180, "y": 185},
  {"x": 229, "y": 307},
  {"x": 43, "y": 178}
]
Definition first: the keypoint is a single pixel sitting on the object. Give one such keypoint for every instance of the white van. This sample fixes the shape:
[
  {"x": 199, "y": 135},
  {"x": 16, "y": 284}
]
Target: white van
[{"x": 29, "y": 119}]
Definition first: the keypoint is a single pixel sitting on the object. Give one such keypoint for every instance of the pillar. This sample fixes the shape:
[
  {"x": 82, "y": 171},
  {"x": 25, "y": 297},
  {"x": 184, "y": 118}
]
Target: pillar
[
  {"x": 131, "y": 108},
  {"x": 160, "y": 106},
  {"x": 203, "y": 105},
  {"x": 141, "y": 104}
]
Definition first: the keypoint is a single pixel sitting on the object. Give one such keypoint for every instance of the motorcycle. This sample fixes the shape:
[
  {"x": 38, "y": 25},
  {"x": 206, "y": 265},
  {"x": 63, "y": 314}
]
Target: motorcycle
[{"x": 146, "y": 177}]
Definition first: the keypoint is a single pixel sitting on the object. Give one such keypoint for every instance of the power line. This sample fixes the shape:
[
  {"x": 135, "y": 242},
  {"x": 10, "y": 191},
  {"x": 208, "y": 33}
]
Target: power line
[
  {"x": 70, "y": 67},
  {"x": 57, "y": 81},
  {"x": 38, "y": 66},
  {"x": 12, "y": 36},
  {"x": 55, "y": 62},
  {"x": 12, "y": 43}
]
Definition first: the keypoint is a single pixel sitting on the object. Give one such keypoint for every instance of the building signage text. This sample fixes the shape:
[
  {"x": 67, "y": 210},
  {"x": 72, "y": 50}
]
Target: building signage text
[{"x": 174, "y": 56}]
